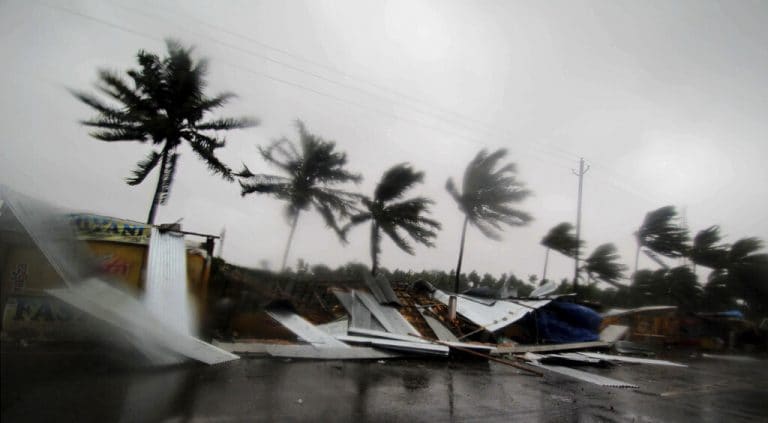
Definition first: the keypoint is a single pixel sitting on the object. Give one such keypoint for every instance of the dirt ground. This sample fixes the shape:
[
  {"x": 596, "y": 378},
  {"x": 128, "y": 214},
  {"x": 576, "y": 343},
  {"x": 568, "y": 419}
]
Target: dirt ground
[{"x": 110, "y": 386}]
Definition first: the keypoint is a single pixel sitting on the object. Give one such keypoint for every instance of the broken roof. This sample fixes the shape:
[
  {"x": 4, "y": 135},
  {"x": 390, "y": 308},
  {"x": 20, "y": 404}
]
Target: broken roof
[{"x": 491, "y": 315}]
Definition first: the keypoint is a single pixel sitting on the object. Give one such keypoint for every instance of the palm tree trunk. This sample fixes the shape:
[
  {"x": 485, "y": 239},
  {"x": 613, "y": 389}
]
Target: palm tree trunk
[
  {"x": 461, "y": 255},
  {"x": 546, "y": 261},
  {"x": 374, "y": 248},
  {"x": 158, "y": 189},
  {"x": 637, "y": 259},
  {"x": 290, "y": 239}
]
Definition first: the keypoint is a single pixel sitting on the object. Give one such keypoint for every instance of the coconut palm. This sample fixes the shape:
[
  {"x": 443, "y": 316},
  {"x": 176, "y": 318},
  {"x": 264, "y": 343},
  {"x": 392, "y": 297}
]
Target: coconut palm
[
  {"x": 561, "y": 239},
  {"x": 487, "y": 197},
  {"x": 311, "y": 169},
  {"x": 661, "y": 234},
  {"x": 163, "y": 102},
  {"x": 388, "y": 213},
  {"x": 603, "y": 265},
  {"x": 708, "y": 251}
]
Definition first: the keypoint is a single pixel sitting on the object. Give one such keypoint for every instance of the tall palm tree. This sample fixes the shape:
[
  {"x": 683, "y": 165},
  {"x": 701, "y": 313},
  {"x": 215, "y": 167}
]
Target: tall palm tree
[
  {"x": 661, "y": 233},
  {"x": 311, "y": 169},
  {"x": 603, "y": 265},
  {"x": 388, "y": 213},
  {"x": 163, "y": 102},
  {"x": 487, "y": 197},
  {"x": 561, "y": 239}
]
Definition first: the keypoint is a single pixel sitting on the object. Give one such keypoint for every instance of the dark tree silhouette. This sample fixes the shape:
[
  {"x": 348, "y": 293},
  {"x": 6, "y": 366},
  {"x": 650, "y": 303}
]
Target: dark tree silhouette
[
  {"x": 487, "y": 197},
  {"x": 661, "y": 233},
  {"x": 163, "y": 102},
  {"x": 707, "y": 250},
  {"x": 561, "y": 239},
  {"x": 311, "y": 169},
  {"x": 603, "y": 265},
  {"x": 390, "y": 214}
]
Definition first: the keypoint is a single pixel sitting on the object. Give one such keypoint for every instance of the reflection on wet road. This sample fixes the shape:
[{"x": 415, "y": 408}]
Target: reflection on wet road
[{"x": 89, "y": 387}]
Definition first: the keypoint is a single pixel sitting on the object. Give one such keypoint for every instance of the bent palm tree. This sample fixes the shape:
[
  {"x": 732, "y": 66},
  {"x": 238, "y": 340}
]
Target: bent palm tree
[
  {"x": 661, "y": 234},
  {"x": 163, "y": 103},
  {"x": 603, "y": 264},
  {"x": 707, "y": 250},
  {"x": 561, "y": 239},
  {"x": 486, "y": 198},
  {"x": 389, "y": 215},
  {"x": 311, "y": 170}
]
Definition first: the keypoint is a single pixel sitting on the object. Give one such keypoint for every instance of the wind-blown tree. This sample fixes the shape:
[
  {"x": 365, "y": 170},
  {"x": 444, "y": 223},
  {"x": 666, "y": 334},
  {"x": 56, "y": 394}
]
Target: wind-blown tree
[
  {"x": 661, "y": 233},
  {"x": 707, "y": 250},
  {"x": 487, "y": 197},
  {"x": 603, "y": 265},
  {"x": 162, "y": 102},
  {"x": 561, "y": 239},
  {"x": 390, "y": 214},
  {"x": 748, "y": 274},
  {"x": 311, "y": 171}
]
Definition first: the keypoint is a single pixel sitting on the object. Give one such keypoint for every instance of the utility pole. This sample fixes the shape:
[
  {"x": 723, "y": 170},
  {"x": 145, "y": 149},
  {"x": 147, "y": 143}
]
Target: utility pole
[{"x": 580, "y": 174}]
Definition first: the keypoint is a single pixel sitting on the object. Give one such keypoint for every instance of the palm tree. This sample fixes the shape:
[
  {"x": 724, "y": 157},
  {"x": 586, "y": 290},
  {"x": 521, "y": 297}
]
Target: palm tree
[
  {"x": 163, "y": 102},
  {"x": 387, "y": 214},
  {"x": 707, "y": 250},
  {"x": 661, "y": 234},
  {"x": 561, "y": 239},
  {"x": 603, "y": 264},
  {"x": 487, "y": 197},
  {"x": 312, "y": 169}
]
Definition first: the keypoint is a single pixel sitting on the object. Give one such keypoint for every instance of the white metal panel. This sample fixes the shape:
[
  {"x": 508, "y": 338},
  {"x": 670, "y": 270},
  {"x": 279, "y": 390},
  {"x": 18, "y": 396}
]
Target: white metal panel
[
  {"x": 126, "y": 312},
  {"x": 388, "y": 316},
  {"x": 625, "y": 359},
  {"x": 586, "y": 377},
  {"x": 492, "y": 317},
  {"x": 414, "y": 347},
  {"x": 439, "y": 329},
  {"x": 166, "y": 294},
  {"x": 305, "y": 330}
]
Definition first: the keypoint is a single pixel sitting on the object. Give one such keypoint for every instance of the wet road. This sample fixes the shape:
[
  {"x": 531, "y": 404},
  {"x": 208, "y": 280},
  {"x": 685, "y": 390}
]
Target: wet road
[{"x": 69, "y": 386}]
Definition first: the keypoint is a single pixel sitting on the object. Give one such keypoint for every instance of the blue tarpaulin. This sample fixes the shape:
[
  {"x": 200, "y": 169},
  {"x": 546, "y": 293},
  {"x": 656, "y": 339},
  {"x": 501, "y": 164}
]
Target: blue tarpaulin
[{"x": 561, "y": 322}]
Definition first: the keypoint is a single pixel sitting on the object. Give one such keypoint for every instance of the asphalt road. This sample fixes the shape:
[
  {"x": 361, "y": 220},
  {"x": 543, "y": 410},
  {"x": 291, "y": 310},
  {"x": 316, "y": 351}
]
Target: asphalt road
[{"x": 98, "y": 386}]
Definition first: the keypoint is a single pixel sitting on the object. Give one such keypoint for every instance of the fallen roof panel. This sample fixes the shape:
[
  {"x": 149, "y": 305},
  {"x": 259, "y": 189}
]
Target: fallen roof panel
[
  {"x": 413, "y": 347},
  {"x": 381, "y": 289},
  {"x": 306, "y": 351},
  {"x": 626, "y": 359},
  {"x": 442, "y": 332},
  {"x": 388, "y": 316},
  {"x": 305, "y": 330},
  {"x": 515, "y": 349},
  {"x": 585, "y": 376},
  {"x": 491, "y": 317}
]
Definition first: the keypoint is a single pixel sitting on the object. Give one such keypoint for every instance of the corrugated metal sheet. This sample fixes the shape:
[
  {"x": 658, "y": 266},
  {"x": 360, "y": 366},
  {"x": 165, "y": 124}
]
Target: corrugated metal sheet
[
  {"x": 308, "y": 351},
  {"x": 414, "y": 347},
  {"x": 625, "y": 359},
  {"x": 305, "y": 330},
  {"x": 492, "y": 317},
  {"x": 586, "y": 377},
  {"x": 388, "y": 316},
  {"x": 381, "y": 289},
  {"x": 439, "y": 329},
  {"x": 148, "y": 333},
  {"x": 166, "y": 294}
]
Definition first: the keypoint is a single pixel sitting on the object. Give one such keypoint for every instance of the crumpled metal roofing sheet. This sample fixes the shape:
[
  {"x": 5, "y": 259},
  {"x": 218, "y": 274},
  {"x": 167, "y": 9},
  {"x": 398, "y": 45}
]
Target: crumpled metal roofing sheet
[
  {"x": 305, "y": 330},
  {"x": 307, "y": 351},
  {"x": 166, "y": 285},
  {"x": 491, "y": 317},
  {"x": 439, "y": 329}
]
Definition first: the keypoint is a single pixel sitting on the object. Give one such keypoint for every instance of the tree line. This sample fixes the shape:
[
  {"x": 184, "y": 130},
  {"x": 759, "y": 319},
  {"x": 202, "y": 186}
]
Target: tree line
[{"x": 163, "y": 102}]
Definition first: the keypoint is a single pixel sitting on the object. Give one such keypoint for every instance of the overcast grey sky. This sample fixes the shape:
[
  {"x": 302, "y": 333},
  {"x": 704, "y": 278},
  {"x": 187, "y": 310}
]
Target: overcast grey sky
[{"x": 666, "y": 100}]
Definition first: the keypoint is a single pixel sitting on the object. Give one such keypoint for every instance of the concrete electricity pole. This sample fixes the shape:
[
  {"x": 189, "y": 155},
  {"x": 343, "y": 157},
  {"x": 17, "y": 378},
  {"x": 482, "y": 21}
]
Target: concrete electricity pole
[{"x": 580, "y": 174}]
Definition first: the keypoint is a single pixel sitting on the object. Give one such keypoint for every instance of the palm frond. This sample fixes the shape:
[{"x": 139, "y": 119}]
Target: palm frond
[
  {"x": 205, "y": 150},
  {"x": 603, "y": 264},
  {"x": 227, "y": 124},
  {"x": 143, "y": 168},
  {"x": 661, "y": 233},
  {"x": 396, "y": 181},
  {"x": 562, "y": 239}
]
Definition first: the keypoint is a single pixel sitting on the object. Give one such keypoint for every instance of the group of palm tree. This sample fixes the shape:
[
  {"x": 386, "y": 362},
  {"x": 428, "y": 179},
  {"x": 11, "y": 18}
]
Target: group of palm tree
[
  {"x": 738, "y": 270},
  {"x": 163, "y": 102}
]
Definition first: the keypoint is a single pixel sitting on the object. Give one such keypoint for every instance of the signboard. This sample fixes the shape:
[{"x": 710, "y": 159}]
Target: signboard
[{"x": 92, "y": 227}]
